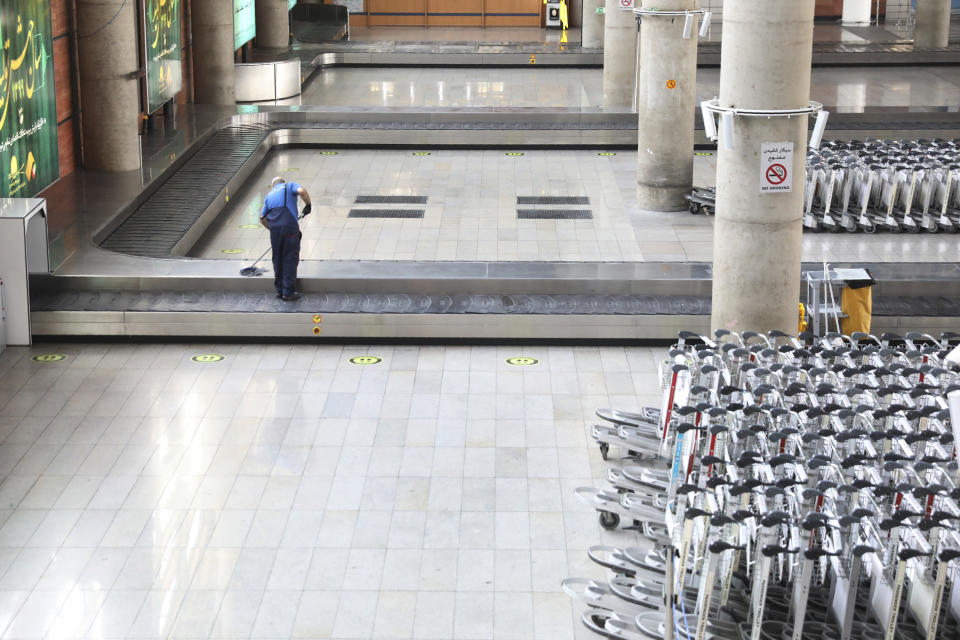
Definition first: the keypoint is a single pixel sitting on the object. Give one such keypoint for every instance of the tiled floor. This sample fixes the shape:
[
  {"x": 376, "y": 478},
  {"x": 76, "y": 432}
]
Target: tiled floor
[
  {"x": 284, "y": 492},
  {"x": 471, "y": 212},
  {"x": 430, "y": 87}
]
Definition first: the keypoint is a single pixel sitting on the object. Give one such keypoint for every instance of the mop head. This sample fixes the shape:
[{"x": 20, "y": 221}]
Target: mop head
[{"x": 252, "y": 271}]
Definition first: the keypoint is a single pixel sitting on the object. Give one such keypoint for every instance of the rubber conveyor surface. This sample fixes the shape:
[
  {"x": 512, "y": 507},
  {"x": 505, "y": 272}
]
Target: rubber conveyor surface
[
  {"x": 537, "y": 304},
  {"x": 157, "y": 225}
]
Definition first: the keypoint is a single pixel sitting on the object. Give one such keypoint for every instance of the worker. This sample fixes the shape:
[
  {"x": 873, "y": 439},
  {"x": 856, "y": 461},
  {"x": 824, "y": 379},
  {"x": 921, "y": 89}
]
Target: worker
[{"x": 279, "y": 215}]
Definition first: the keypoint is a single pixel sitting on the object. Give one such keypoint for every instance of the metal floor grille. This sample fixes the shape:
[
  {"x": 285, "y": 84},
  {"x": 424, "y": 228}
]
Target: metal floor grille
[
  {"x": 390, "y": 200},
  {"x": 156, "y": 226},
  {"x": 554, "y": 214},
  {"x": 385, "y": 213},
  {"x": 555, "y": 200}
]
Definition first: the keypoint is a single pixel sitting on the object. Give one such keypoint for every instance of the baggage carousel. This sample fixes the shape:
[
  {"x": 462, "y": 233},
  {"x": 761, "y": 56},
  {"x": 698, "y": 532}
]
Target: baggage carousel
[{"x": 120, "y": 245}]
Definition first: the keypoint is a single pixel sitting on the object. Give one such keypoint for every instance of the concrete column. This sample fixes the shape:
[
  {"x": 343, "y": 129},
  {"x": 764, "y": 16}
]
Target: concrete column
[
  {"x": 213, "y": 72},
  {"x": 110, "y": 96},
  {"x": 666, "y": 99},
  {"x": 857, "y": 12},
  {"x": 273, "y": 24},
  {"x": 766, "y": 55},
  {"x": 619, "y": 56},
  {"x": 932, "y": 29},
  {"x": 592, "y": 24}
]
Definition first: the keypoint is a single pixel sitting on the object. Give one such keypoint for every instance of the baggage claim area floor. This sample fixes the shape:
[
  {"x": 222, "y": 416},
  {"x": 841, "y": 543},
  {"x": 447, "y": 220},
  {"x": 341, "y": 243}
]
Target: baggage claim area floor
[{"x": 333, "y": 486}]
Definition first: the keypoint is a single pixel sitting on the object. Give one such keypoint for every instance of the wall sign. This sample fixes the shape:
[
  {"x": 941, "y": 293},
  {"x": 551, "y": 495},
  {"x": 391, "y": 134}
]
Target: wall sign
[
  {"x": 776, "y": 167},
  {"x": 244, "y": 22},
  {"x": 28, "y": 105},
  {"x": 164, "y": 68}
]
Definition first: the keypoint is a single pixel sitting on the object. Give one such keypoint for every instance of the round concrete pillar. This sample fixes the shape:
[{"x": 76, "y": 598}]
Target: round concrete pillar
[
  {"x": 932, "y": 30},
  {"x": 592, "y": 37},
  {"x": 109, "y": 92},
  {"x": 856, "y": 12},
  {"x": 213, "y": 71},
  {"x": 666, "y": 99},
  {"x": 273, "y": 24},
  {"x": 619, "y": 56},
  {"x": 766, "y": 58}
]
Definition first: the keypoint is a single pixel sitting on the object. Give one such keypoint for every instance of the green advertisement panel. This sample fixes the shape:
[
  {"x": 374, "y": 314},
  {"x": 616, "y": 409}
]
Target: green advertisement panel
[
  {"x": 28, "y": 102},
  {"x": 244, "y": 22},
  {"x": 164, "y": 70}
]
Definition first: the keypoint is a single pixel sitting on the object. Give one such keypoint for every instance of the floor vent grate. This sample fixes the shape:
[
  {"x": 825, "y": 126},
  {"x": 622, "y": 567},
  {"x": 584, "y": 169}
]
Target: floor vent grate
[
  {"x": 385, "y": 213},
  {"x": 554, "y": 214},
  {"x": 555, "y": 200},
  {"x": 390, "y": 200}
]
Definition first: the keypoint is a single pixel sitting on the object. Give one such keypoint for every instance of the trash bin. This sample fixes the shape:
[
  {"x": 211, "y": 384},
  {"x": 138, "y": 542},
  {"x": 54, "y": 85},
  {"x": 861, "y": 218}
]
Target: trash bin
[{"x": 856, "y": 305}]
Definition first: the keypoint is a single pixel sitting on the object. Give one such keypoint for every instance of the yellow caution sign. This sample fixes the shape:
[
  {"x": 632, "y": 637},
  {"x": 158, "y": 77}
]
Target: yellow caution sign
[
  {"x": 231, "y": 251},
  {"x": 522, "y": 361},
  {"x": 316, "y": 331},
  {"x": 329, "y": 153},
  {"x": 533, "y": 59},
  {"x": 671, "y": 84},
  {"x": 365, "y": 360},
  {"x": 317, "y": 319}
]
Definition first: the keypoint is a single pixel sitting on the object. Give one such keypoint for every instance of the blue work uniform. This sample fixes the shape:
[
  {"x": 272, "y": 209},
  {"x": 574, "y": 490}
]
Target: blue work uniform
[{"x": 280, "y": 210}]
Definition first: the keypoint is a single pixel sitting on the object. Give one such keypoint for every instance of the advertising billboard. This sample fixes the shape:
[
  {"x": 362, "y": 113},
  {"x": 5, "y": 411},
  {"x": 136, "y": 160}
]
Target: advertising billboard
[
  {"x": 28, "y": 103},
  {"x": 164, "y": 69},
  {"x": 244, "y": 22}
]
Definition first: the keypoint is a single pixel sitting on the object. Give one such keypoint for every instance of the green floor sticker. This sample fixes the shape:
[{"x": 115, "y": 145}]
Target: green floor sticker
[
  {"x": 513, "y": 153},
  {"x": 703, "y": 153},
  {"x": 365, "y": 360},
  {"x": 606, "y": 153},
  {"x": 291, "y": 169},
  {"x": 522, "y": 362},
  {"x": 249, "y": 226},
  {"x": 207, "y": 357},
  {"x": 49, "y": 357},
  {"x": 421, "y": 153},
  {"x": 231, "y": 251},
  {"x": 329, "y": 153}
]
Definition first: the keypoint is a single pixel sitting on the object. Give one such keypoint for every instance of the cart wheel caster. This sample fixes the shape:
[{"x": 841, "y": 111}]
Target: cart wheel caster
[
  {"x": 604, "y": 450},
  {"x": 609, "y": 520},
  {"x": 707, "y": 211},
  {"x": 694, "y": 208}
]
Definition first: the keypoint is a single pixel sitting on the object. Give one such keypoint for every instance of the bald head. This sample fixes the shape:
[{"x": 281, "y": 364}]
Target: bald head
[{"x": 276, "y": 181}]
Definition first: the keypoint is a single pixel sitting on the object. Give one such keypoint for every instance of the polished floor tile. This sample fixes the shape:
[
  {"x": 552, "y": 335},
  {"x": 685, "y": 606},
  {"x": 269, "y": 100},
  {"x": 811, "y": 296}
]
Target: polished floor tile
[
  {"x": 471, "y": 215},
  {"x": 425, "y": 518}
]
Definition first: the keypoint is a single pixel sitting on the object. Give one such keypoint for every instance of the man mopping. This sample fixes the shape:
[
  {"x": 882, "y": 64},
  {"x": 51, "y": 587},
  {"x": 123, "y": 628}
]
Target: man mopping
[{"x": 279, "y": 215}]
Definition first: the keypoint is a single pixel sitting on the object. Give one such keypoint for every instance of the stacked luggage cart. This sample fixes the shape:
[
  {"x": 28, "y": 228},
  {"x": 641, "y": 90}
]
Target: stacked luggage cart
[
  {"x": 876, "y": 185},
  {"x": 787, "y": 488}
]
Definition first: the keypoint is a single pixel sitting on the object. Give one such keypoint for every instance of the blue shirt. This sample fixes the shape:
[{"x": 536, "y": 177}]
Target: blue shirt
[{"x": 284, "y": 195}]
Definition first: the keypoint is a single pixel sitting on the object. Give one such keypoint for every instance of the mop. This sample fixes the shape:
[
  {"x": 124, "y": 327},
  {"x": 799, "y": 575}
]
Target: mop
[{"x": 253, "y": 270}]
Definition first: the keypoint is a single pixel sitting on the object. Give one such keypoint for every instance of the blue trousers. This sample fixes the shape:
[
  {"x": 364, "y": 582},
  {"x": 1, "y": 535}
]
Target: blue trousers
[{"x": 285, "y": 241}]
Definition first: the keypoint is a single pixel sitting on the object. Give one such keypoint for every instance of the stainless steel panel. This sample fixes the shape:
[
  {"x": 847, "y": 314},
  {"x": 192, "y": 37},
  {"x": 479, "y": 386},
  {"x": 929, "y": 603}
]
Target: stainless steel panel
[
  {"x": 287, "y": 78},
  {"x": 259, "y": 81}
]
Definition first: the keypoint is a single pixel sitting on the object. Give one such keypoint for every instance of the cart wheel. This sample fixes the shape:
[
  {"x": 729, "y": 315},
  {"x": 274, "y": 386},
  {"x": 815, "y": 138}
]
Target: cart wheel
[
  {"x": 609, "y": 520},
  {"x": 694, "y": 208},
  {"x": 707, "y": 211},
  {"x": 604, "y": 450}
]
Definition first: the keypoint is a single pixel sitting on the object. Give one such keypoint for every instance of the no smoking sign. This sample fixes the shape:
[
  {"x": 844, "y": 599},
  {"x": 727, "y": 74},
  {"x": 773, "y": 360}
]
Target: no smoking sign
[
  {"x": 626, "y": 4},
  {"x": 776, "y": 167}
]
